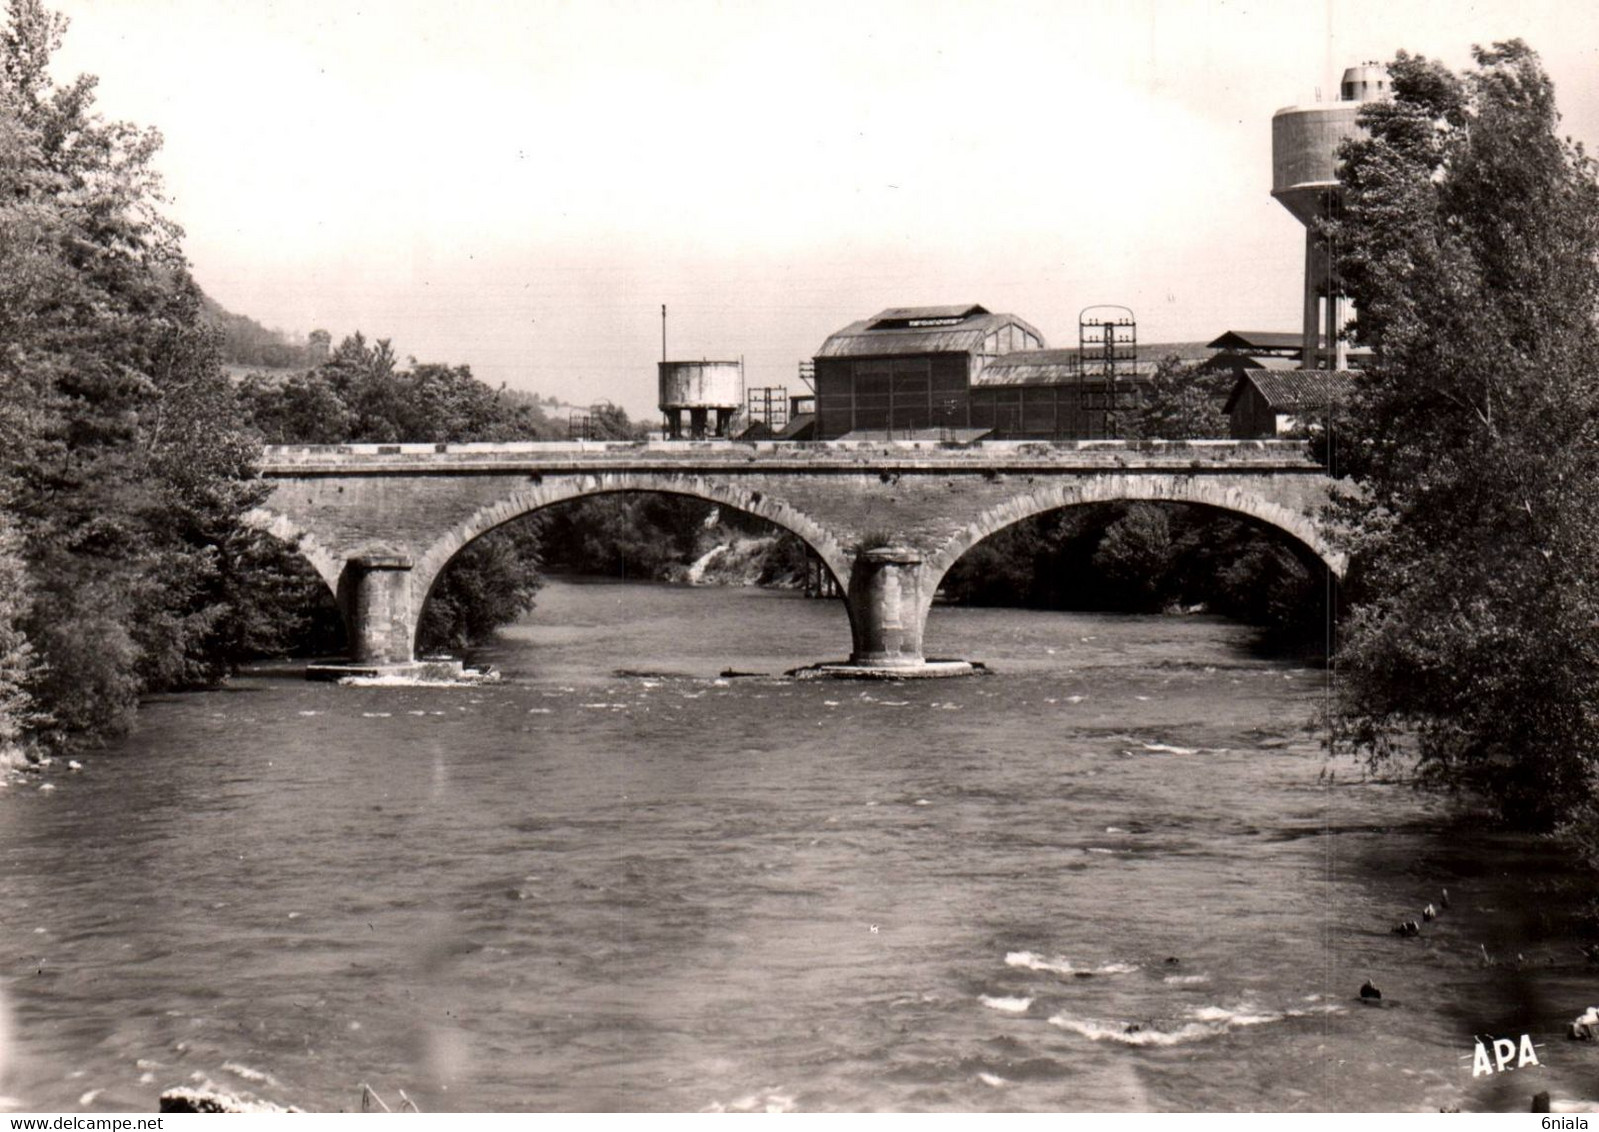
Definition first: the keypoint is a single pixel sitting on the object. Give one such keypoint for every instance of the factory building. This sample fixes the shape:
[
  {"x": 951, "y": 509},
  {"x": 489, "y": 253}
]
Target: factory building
[
  {"x": 957, "y": 372},
  {"x": 965, "y": 373},
  {"x": 1044, "y": 394}
]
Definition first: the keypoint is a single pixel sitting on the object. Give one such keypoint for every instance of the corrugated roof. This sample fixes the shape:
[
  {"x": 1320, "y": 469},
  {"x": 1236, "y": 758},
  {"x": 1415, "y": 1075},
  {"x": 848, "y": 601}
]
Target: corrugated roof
[
  {"x": 1294, "y": 390},
  {"x": 1030, "y": 367},
  {"x": 1229, "y": 359},
  {"x": 1246, "y": 340},
  {"x": 865, "y": 339},
  {"x": 1049, "y": 367}
]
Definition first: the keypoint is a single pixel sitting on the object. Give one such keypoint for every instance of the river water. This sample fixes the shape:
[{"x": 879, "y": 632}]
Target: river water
[{"x": 1118, "y": 874}]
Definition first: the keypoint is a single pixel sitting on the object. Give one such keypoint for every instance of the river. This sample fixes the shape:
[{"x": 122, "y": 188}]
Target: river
[{"x": 1118, "y": 874}]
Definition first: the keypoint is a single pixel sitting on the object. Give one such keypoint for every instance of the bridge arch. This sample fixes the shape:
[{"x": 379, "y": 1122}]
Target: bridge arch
[
  {"x": 430, "y": 565},
  {"x": 1195, "y": 490},
  {"x": 328, "y": 564}
]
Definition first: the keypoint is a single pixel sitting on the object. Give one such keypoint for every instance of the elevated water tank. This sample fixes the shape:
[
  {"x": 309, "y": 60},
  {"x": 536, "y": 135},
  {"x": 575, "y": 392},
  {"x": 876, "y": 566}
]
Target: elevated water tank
[
  {"x": 700, "y": 388},
  {"x": 1304, "y": 154},
  {"x": 1305, "y": 141},
  {"x": 1304, "y": 179},
  {"x": 701, "y": 385}
]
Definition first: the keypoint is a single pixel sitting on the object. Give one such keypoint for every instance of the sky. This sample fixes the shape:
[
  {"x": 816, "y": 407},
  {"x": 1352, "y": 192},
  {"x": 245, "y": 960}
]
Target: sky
[{"x": 519, "y": 186}]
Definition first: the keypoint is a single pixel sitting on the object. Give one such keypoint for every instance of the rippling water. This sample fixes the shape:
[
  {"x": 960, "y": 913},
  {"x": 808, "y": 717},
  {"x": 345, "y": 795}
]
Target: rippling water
[{"x": 1120, "y": 874}]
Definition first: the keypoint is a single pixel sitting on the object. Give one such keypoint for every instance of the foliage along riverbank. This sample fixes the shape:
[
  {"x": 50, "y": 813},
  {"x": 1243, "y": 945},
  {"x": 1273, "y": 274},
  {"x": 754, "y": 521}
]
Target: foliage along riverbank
[
  {"x": 124, "y": 464},
  {"x": 1469, "y": 240}
]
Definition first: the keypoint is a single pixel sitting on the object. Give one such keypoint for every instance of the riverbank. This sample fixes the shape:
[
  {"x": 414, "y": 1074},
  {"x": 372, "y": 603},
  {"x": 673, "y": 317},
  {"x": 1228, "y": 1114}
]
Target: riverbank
[{"x": 729, "y": 559}]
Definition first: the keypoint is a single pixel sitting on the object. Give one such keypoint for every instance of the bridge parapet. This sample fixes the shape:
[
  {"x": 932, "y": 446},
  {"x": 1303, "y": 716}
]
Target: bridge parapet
[{"x": 767, "y": 456}]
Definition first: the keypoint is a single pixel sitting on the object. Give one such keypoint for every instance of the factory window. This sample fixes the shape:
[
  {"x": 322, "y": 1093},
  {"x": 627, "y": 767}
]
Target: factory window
[
  {"x": 1008, "y": 413},
  {"x": 872, "y": 394},
  {"x": 912, "y": 393},
  {"x": 1038, "y": 411},
  {"x": 872, "y": 391}
]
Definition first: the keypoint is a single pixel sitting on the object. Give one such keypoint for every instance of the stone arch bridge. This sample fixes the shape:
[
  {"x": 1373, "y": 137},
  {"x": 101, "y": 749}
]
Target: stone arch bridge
[{"x": 380, "y": 522}]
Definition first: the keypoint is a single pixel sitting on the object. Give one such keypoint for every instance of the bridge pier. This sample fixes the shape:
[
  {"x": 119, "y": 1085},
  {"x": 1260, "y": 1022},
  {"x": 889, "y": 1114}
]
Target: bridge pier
[
  {"x": 885, "y": 608},
  {"x": 886, "y": 616},
  {"x": 382, "y": 629},
  {"x": 376, "y": 600}
]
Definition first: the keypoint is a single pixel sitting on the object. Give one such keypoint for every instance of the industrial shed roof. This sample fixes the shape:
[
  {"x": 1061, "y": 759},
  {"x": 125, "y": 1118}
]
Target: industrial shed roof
[
  {"x": 1030, "y": 367},
  {"x": 1295, "y": 389},
  {"x": 1251, "y": 341},
  {"x": 1049, "y": 367},
  {"x": 1229, "y": 359},
  {"x": 895, "y": 331}
]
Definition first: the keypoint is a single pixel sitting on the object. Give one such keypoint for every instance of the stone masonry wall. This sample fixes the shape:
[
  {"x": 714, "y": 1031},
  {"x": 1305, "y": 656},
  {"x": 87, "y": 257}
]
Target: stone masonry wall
[{"x": 425, "y": 504}]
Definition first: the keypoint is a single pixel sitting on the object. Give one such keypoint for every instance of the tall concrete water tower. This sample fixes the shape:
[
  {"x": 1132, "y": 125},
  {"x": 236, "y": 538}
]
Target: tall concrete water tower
[{"x": 1304, "y": 177}]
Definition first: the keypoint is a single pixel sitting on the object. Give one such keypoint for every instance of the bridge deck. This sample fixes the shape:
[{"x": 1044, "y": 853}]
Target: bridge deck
[{"x": 1194, "y": 456}]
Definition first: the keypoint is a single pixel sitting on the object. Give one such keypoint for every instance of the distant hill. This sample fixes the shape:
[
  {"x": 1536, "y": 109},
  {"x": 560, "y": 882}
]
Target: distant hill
[{"x": 248, "y": 346}]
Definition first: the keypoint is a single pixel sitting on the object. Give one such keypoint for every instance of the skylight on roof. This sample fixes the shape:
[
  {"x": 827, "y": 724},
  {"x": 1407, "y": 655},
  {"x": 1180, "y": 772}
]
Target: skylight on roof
[{"x": 921, "y": 318}]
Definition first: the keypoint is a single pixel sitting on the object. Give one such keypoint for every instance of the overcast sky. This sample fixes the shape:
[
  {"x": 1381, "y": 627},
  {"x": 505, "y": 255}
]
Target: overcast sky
[{"x": 519, "y": 186}]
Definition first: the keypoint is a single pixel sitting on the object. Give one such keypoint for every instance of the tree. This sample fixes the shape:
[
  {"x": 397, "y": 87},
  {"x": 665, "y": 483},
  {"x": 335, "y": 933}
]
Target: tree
[
  {"x": 1469, "y": 239},
  {"x": 17, "y": 673},
  {"x": 627, "y": 534},
  {"x": 610, "y": 422},
  {"x": 490, "y": 583},
  {"x": 1179, "y": 402},
  {"x": 360, "y": 394},
  {"x": 302, "y": 409},
  {"x": 121, "y": 464},
  {"x": 1135, "y": 556}
]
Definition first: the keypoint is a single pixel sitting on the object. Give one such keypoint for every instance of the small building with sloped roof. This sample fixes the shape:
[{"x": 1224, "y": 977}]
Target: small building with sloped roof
[
  {"x": 1268, "y": 403},
  {"x": 1261, "y": 343}
]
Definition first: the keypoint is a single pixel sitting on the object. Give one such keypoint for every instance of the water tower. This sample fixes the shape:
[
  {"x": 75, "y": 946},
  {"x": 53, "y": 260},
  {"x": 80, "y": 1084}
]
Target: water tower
[
  {"x": 1304, "y": 178},
  {"x": 710, "y": 392},
  {"x": 702, "y": 389}
]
